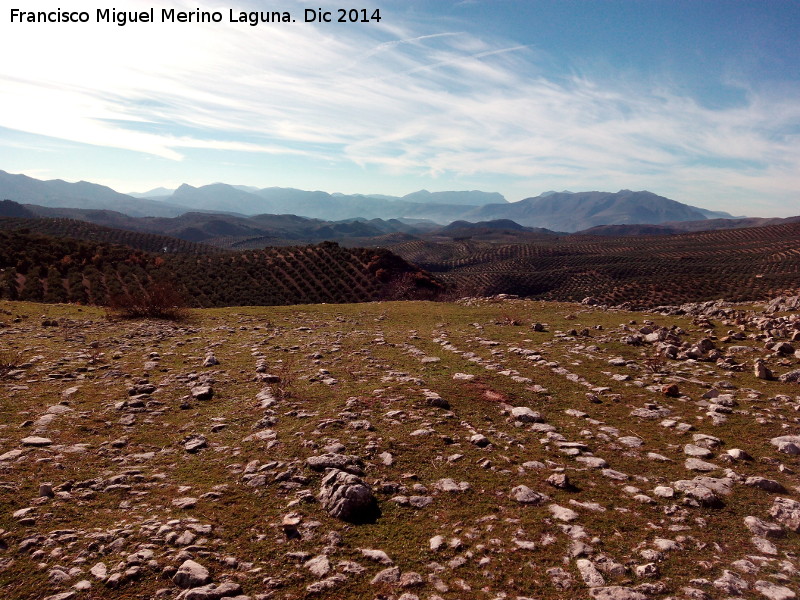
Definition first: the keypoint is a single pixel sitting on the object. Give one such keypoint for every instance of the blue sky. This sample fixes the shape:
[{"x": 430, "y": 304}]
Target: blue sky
[{"x": 695, "y": 100}]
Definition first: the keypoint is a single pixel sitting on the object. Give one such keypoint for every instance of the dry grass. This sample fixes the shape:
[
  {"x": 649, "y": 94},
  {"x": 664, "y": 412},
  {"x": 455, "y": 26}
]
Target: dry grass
[{"x": 376, "y": 353}]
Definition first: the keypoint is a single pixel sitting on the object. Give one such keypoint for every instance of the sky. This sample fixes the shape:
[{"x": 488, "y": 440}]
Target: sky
[{"x": 695, "y": 100}]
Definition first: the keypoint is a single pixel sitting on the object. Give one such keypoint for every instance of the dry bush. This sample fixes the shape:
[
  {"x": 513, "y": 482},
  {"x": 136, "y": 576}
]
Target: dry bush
[
  {"x": 655, "y": 363},
  {"x": 159, "y": 300},
  {"x": 287, "y": 379},
  {"x": 9, "y": 360},
  {"x": 507, "y": 319}
]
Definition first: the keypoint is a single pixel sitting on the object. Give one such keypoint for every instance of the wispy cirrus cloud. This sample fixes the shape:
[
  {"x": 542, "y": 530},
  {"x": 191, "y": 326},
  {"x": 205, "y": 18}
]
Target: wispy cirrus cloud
[{"x": 397, "y": 97}]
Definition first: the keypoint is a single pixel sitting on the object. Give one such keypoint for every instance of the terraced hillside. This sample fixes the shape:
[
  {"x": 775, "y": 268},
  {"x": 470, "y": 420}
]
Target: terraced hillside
[
  {"x": 486, "y": 449},
  {"x": 735, "y": 264}
]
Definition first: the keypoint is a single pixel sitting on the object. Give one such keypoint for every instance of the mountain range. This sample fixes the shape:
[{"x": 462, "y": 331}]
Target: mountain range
[{"x": 558, "y": 211}]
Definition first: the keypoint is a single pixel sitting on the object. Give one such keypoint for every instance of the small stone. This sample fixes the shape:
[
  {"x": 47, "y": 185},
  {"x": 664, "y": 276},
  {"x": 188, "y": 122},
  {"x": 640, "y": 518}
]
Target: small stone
[
  {"x": 739, "y": 454},
  {"x": 480, "y": 440},
  {"x": 730, "y": 583},
  {"x": 525, "y": 415},
  {"x": 11, "y": 455},
  {"x": 377, "y": 555},
  {"x": 319, "y": 566},
  {"x": 648, "y": 570},
  {"x": 671, "y": 390},
  {"x": 419, "y": 501},
  {"x": 697, "y": 451},
  {"x": 593, "y": 462},
  {"x": 763, "y": 529},
  {"x": 410, "y": 579},
  {"x": 589, "y": 573},
  {"x": 185, "y": 503},
  {"x": 787, "y": 512},
  {"x": 202, "y": 392},
  {"x": 324, "y": 585},
  {"x": 191, "y": 574},
  {"x": 62, "y": 596},
  {"x": 100, "y": 571},
  {"x": 695, "y": 464},
  {"x": 436, "y": 542},
  {"x": 388, "y": 575},
  {"x": 345, "y": 496},
  {"x": 36, "y": 441},
  {"x": 663, "y": 491},
  {"x": 195, "y": 444},
  {"x": 774, "y": 591},
  {"x": 560, "y": 481},
  {"x": 562, "y": 513},
  {"x": 525, "y": 495},
  {"x": 768, "y": 485},
  {"x": 616, "y": 592}
]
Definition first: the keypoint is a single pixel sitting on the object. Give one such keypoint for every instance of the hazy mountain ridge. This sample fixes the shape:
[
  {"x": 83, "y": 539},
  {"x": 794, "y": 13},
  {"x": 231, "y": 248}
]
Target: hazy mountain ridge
[
  {"x": 558, "y": 211},
  {"x": 220, "y": 229},
  {"x": 574, "y": 211},
  {"x": 58, "y": 193}
]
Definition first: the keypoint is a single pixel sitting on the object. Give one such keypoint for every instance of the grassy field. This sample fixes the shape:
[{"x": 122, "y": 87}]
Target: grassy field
[{"x": 362, "y": 380}]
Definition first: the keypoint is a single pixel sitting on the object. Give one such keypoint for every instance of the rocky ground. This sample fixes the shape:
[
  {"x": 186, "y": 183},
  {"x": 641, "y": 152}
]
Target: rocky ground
[{"x": 497, "y": 449}]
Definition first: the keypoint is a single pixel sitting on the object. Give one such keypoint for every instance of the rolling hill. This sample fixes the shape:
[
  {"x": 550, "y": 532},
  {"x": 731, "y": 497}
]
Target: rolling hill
[
  {"x": 42, "y": 268},
  {"x": 734, "y": 264}
]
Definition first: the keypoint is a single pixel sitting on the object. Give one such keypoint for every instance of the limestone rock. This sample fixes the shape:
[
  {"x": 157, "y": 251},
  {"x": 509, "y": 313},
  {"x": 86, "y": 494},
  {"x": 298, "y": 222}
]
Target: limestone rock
[
  {"x": 525, "y": 495},
  {"x": 616, "y": 592},
  {"x": 388, "y": 575},
  {"x": 319, "y": 566},
  {"x": 763, "y": 528},
  {"x": 36, "y": 441},
  {"x": 787, "y": 512},
  {"x": 562, "y": 513},
  {"x": 790, "y": 377},
  {"x": 342, "y": 462},
  {"x": 191, "y": 574},
  {"x": 589, "y": 573},
  {"x": 525, "y": 415},
  {"x": 377, "y": 555},
  {"x": 768, "y": 485},
  {"x": 347, "y": 497},
  {"x": 202, "y": 392},
  {"x": 774, "y": 591},
  {"x": 761, "y": 370}
]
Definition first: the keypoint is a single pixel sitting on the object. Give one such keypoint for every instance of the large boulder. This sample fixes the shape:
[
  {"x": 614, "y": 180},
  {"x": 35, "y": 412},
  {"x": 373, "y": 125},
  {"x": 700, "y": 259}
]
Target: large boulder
[{"x": 347, "y": 497}]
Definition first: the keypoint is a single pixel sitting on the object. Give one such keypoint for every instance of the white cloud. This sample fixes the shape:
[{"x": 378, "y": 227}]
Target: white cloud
[{"x": 388, "y": 95}]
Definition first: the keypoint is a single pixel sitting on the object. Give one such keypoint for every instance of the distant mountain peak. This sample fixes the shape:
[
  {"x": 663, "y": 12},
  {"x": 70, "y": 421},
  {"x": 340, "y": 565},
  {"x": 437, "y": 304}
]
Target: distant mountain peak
[
  {"x": 552, "y": 192},
  {"x": 468, "y": 198}
]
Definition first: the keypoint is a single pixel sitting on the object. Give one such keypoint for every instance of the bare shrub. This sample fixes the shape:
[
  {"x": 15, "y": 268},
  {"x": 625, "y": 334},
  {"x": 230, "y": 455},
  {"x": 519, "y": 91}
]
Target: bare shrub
[
  {"x": 507, "y": 319},
  {"x": 9, "y": 360},
  {"x": 655, "y": 363},
  {"x": 159, "y": 300},
  {"x": 287, "y": 379}
]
